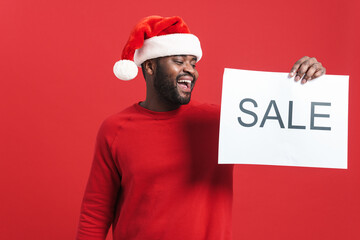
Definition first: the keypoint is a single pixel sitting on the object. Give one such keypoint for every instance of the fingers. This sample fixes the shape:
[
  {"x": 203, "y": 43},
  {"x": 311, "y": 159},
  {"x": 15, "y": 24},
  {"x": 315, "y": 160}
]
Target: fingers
[
  {"x": 319, "y": 72},
  {"x": 307, "y": 69},
  {"x": 296, "y": 66},
  {"x": 309, "y": 74},
  {"x": 304, "y": 67}
]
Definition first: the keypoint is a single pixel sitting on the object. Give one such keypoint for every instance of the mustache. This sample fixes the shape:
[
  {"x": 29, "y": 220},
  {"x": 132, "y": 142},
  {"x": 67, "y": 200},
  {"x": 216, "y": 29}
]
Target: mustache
[{"x": 185, "y": 74}]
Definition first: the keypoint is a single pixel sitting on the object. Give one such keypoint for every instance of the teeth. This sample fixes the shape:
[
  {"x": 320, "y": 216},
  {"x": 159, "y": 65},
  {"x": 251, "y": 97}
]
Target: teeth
[{"x": 186, "y": 81}]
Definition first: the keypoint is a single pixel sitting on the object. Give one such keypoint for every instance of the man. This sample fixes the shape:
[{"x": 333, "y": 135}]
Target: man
[{"x": 155, "y": 173}]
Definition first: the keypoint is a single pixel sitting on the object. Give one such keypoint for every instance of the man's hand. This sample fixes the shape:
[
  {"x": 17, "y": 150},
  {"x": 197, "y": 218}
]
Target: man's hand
[{"x": 307, "y": 68}]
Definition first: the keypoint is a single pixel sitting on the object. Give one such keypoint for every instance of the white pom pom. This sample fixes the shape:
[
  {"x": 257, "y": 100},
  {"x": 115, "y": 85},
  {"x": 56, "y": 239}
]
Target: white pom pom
[{"x": 125, "y": 70}]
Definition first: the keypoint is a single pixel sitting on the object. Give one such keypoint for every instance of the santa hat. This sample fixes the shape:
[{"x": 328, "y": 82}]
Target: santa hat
[{"x": 155, "y": 37}]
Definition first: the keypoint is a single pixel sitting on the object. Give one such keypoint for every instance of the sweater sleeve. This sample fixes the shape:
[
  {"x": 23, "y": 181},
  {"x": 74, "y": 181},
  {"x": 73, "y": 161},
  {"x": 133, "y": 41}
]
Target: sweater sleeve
[{"x": 98, "y": 206}]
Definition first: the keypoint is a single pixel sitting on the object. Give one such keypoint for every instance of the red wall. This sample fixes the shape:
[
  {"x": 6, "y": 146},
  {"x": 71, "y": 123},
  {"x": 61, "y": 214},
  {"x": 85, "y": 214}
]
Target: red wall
[{"x": 57, "y": 86}]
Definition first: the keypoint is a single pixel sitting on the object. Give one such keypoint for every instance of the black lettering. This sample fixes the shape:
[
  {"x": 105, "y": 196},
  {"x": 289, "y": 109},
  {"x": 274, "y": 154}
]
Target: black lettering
[
  {"x": 290, "y": 118},
  {"x": 313, "y": 115},
  {"x": 248, "y": 112},
  {"x": 277, "y": 117}
]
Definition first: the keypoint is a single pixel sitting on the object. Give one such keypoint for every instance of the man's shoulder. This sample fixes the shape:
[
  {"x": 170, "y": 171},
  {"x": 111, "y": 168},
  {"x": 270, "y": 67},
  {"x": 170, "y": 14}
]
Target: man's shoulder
[
  {"x": 121, "y": 115},
  {"x": 116, "y": 121},
  {"x": 209, "y": 108}
]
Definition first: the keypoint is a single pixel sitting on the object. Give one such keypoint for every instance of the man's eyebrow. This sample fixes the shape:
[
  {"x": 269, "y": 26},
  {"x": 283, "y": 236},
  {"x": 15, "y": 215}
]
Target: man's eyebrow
[{"x": 193, "y": 59}]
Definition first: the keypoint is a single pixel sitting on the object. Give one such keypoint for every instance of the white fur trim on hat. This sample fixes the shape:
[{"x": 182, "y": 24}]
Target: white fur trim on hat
[
  {"x": 168, "y": 45},
  {"x": 125, "y": 69}
]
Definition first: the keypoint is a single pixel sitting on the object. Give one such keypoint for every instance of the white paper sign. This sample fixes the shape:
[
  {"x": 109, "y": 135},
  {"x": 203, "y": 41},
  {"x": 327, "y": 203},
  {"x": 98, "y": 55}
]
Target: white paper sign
[{"x": 269, "y": 119}]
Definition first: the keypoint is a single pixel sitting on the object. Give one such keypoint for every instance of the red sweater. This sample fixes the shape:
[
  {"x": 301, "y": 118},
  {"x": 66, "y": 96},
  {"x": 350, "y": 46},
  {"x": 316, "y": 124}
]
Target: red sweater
[{"x": 155, "y": 176}]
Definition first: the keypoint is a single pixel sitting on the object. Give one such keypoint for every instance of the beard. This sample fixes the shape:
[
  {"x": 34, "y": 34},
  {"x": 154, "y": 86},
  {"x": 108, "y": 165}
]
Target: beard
[{"x": 167, "y": 88}]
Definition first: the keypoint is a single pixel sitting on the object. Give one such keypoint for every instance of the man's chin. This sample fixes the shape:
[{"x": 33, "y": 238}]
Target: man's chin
[{"x": 184, "y": 101}]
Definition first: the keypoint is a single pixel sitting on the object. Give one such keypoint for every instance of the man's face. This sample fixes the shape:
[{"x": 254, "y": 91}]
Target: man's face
[{"x": 175, "y": 78}]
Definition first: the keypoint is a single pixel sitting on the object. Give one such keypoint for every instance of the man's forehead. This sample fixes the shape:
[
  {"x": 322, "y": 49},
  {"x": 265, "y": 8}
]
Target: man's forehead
[{"x": 191, "y": 57}]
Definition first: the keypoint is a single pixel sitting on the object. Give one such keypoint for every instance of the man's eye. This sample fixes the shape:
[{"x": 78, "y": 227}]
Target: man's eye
[{"x": 178, "y": 62}]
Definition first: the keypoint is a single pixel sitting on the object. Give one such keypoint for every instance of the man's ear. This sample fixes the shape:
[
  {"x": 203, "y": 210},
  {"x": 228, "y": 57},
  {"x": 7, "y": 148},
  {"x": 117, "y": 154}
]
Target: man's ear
[{"x": 149, "y": 67}]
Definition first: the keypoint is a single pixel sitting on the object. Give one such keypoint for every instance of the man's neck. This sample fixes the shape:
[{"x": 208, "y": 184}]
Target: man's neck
[{"x": 157, "y": 105}]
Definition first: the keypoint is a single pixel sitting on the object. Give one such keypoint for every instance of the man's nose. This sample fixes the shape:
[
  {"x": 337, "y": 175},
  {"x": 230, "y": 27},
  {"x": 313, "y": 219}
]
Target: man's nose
[{"x": 188, "y": 67}]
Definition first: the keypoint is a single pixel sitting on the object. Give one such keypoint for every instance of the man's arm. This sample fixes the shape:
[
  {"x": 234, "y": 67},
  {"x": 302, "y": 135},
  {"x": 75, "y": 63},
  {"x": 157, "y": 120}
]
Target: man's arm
[
  {"x": 97, "y": 210},
  {"x": 307, "y": 68}
]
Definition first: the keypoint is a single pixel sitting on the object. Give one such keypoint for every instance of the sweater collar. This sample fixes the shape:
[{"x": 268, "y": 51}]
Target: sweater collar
[{"x": 162, "y": 115}]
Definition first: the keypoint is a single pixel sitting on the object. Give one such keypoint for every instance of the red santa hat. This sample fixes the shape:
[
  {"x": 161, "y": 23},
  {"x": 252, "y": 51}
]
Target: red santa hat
[{"x": 154, "y": 37}]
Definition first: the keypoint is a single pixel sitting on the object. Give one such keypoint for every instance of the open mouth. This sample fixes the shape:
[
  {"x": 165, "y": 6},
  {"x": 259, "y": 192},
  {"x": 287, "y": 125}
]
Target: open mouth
[{"x": 185, "y": 85}]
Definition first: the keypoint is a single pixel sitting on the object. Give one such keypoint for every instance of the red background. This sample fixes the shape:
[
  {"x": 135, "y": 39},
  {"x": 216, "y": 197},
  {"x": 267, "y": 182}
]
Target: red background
[{"x": 57, "y": 86}]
